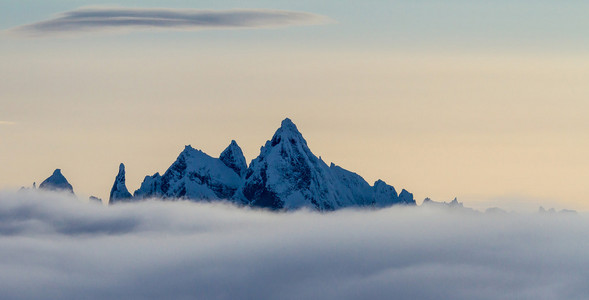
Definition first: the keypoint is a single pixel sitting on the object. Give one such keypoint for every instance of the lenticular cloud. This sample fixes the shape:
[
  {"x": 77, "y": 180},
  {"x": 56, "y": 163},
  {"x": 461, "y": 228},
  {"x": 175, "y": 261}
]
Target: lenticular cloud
[
  {"x": 54, "y": 247},
  {"x": 97, "y": 19}
]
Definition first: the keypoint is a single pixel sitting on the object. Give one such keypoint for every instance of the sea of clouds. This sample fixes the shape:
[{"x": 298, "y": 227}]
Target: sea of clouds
[{"x": 53, "y": 246}]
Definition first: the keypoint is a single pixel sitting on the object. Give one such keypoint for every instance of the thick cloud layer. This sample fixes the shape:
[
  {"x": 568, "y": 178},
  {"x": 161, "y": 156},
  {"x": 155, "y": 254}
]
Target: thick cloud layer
[
  {"x": 55, "y": 247},
  {"x": 109, "y": 19}
]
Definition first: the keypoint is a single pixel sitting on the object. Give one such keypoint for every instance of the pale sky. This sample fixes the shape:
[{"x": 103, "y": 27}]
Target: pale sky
[{"x": 481, "y": 100}]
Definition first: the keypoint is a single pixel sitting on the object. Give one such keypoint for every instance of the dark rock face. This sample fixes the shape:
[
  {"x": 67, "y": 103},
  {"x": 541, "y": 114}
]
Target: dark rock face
[
  {"x": 233, "y": 157},
  {"x": 257, "y": 192},
  {"x": 56, "y": 182}
]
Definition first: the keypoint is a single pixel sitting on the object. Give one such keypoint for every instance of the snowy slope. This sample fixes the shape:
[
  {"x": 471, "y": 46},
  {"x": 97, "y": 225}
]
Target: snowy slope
[
  {"x": 151, "y": 187},
  {"x": 351, "y": 188},
  {"x": 194, "y": 175}
]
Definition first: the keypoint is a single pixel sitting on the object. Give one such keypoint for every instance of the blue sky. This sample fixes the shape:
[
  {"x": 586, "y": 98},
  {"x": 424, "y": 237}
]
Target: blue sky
[{"x": 416, "y": 25}]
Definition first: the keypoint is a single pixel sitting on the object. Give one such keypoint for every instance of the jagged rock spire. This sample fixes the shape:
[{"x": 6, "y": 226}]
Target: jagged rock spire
[
  {"x": 119, "y": 192},
  {"x": 56, "y": 182},
  {"x": 233, "y": 157}
]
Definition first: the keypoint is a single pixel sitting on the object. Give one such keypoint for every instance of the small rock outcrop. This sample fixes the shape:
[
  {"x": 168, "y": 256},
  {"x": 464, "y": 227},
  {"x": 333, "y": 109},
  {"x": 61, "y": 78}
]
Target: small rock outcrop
[{"x": 94, "y": 199}]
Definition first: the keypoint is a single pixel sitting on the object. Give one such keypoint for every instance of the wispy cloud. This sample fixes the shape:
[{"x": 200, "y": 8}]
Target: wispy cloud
[
  {"x": 7, "y": 123},
  {"x": 100, "y": 19},
  {"x": 183, "y": 250}
]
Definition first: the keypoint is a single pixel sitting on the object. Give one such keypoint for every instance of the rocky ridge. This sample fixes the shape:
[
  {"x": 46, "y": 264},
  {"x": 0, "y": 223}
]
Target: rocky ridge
[{"x": 285, "y": 176}]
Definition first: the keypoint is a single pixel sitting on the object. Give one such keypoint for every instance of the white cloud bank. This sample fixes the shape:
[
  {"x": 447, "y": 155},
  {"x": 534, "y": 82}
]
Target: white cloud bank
[
  {"x": 54, "y": 247},
  {"x": 100, "y": 19}
]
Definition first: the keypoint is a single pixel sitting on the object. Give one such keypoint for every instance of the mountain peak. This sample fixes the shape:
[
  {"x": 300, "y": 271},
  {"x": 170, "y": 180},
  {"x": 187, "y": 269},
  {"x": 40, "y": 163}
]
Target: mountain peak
[
  {"x": 288, "y": 126},
  {"x": 287, "y": 175},
  {"x": 191, "y": 152},
  {"x": 122, "y": 169},
  {"x": 119, "y": 190},
  {"x": 288, "y": 131},
  {"x": 56, "y": 182},
  {"x": 287, "y": 123},
  {"x": 406, "y": 198},
  {"x": 233, "y": 157}
]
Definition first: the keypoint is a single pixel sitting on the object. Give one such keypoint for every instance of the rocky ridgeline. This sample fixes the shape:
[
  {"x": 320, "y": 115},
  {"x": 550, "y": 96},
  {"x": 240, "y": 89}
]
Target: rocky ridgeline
[{"x": 286, "y": 175}]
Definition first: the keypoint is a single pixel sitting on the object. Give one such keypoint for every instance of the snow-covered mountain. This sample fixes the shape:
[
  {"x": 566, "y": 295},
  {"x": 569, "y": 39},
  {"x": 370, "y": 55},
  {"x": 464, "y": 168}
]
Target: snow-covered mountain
[
  {"x": 56, "y": 182},
  {"x": 194, "y": 175},
  {"x": 286, "y": 175}
]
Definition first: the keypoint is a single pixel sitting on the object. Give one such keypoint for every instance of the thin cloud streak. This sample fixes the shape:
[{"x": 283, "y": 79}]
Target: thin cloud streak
[
  {"x": 7, "y": 123},
  {"x": 101, "y": 19},
  {"x": 185, "y": 250}
]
